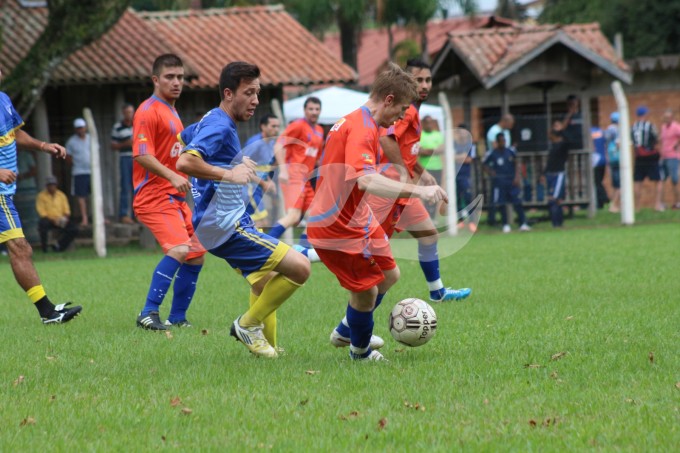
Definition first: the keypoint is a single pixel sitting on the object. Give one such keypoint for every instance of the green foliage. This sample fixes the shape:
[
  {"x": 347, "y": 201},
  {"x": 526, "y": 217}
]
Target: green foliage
[
  {"x": 486, "y": 382},
  {"x": 649, "y": 27}
]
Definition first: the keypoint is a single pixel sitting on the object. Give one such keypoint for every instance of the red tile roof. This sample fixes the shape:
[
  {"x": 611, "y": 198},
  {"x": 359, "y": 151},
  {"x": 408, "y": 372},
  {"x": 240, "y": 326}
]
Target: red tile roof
[
  {"x": 205, "y": 39},
  {"x": 373, "y": 51},
  {"x": 286, "y": 52},
  {"x": 492, "y": 52}
]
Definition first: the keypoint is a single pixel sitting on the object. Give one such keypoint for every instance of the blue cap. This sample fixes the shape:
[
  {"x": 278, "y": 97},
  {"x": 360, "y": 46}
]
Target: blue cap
[
  {"x": 614, "y": 117},
  {"x": 642, "y": 110}
]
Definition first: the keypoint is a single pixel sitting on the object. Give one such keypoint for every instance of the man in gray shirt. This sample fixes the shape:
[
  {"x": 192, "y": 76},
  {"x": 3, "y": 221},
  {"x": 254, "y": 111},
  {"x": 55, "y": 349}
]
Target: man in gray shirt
[{"x": 78, "y": 155}]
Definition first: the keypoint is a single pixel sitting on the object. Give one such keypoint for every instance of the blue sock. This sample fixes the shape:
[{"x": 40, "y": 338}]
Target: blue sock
[
  {"x": 343, "y": 327},
  {"x": 361, "y": 329},
  {"x": 160, "y": 282},
  {"x": 429, "y": 261},
  {"x": 277, "y": 230},
  {"x": 183, "y": 291},
  {"x": 378, "y": 300},
  {"x": 304, "y": 242}
]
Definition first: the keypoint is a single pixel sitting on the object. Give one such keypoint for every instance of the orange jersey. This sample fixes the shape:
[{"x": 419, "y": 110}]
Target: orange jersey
[
  {"x": 154, "y": 131},
  {"x": 406, "y": 132},
  {"x": 338, "y": 213},
  {"x": 303, "y": 143}
]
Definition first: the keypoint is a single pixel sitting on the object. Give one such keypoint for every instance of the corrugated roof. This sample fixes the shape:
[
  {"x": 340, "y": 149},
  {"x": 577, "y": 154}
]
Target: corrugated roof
[
  {"x": 205, "y": 39},
  {"x": 286, "y": 52},
  {"x": 373, "y": 49},
  {"x": 491, "y": 53}
]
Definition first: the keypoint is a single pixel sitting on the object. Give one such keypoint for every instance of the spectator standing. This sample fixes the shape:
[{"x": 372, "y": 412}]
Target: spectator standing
[
  {"x": 670, "y": 155},
  {"x": 599, "y": 161},
  {"x": 55, "y": 214},
  {"x": 431, "y": 148},
  {"x": 505, "y": 125},
  {"x": 645, "y": 145},
  {"x": 611, "y": 135},
  {"x": 555, "y": 173},
  {"x": 572, "y": 123},
  {"x": 505, "y": 183},
  {"x": 121, "y": 141},
  {"x": 78, "y": 155},
  {"x": 465, "y": 153}
]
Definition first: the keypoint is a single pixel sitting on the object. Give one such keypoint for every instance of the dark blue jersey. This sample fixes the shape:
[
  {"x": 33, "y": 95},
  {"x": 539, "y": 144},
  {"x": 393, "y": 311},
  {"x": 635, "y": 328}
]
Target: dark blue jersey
[{"x": 501, "y": 161}]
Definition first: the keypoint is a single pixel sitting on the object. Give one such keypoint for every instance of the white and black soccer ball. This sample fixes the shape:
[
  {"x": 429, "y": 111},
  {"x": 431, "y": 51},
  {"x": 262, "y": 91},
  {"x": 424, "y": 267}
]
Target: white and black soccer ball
[{"x": 413, "y": 322}]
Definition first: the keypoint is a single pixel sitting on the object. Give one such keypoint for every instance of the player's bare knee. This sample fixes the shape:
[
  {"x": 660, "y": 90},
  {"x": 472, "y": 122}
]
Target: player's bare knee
[
  {"x": 19, "y": 249},
  {"x": 301, "y": 271},
  {"x": 179, "y": 253},
  {"x": 391, "y": 278}
]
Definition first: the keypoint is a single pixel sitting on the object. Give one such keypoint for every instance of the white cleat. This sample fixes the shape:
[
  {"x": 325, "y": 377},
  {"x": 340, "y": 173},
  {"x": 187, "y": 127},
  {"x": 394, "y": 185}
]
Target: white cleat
[
  {"x": 253, "y": 339},
  {"x": 506, "y": 229},
  {"x": 524, "y": 227},
  {"x": 373, "y": 356},
  {"x": 339, "y": 341}
]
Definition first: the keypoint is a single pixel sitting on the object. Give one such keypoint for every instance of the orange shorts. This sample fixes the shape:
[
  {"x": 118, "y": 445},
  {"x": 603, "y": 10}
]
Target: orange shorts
[
  {"x": 170, "y": 222},
  {"x": 359, "y": 272},
  {"x": 398, "y": 215},
  {"x": 297, "y": 194}
]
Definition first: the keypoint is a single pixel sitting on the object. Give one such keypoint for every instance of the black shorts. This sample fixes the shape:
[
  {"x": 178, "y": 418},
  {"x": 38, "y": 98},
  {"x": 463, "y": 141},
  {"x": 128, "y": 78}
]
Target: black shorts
[{"x": 646, "y": 169}]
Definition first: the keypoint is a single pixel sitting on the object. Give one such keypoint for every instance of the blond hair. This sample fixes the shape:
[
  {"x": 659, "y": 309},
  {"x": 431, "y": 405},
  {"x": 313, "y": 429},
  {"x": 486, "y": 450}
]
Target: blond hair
[{"x": 397, "y": 82}]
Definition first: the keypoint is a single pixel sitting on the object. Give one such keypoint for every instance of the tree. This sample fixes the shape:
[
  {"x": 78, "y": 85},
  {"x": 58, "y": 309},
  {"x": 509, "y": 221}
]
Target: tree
[
  {"x": 649, "y": 27},
  {"x": 72, "y": 24}
]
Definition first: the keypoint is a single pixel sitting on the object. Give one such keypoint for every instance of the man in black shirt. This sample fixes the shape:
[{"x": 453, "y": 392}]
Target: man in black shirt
[{"x": 555, "y": 173}]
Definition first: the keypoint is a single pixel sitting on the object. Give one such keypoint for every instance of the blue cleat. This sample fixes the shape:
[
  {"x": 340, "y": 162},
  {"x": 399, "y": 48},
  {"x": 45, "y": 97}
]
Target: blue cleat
[{"x": 446, "y": 294}]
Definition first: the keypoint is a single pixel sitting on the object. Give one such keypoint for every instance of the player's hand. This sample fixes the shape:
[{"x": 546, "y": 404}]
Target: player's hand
[
  {"x": 283, "y": 174},
  {"x": 269, "y": 187},
  {"x": 179, "y": 183},
  {"x": 426, "y": 179},
  {"x": 54, "y": 149},
  {"x": 7, "y": 176},
  {"x": 242, "y": 174},
  {"x": 432, "y": 194}
]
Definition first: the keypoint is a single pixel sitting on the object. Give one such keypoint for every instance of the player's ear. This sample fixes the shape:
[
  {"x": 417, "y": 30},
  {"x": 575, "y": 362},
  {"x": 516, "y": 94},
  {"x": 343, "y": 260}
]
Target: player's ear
[
  {"x": 228, "y": 94},
  {"x": 389, "y": 99}
]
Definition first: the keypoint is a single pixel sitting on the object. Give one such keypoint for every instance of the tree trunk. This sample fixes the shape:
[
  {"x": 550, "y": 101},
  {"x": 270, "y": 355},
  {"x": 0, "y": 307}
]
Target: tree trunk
[
  {"x": 390, "y": 42},
  {"x": 349, "y": 32},
  {"x": 72, "y": 24}
]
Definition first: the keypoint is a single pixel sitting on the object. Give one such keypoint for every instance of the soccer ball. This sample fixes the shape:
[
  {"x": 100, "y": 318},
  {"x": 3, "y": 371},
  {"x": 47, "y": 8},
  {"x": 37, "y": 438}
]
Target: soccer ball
[{"x": 413, "y": 322}]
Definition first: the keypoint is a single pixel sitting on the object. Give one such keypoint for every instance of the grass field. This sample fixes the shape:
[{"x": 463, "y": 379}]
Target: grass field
[{"x": 568, "y": 342}]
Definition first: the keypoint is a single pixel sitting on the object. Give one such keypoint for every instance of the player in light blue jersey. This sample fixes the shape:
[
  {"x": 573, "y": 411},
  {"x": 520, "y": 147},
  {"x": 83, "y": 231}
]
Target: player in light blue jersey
[
  {"x": 11, "y": 234},
  {"x": 219, "y": 170},
  {"x": 260, "y": 148}
]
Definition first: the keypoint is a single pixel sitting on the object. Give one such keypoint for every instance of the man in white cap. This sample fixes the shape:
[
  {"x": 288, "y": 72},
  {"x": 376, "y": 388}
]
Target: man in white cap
[{"x": 78, "y": 155}]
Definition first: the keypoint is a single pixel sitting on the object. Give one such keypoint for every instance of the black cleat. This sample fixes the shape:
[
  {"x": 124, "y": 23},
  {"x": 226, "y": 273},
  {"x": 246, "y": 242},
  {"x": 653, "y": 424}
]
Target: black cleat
[
  {"x": 62, "y": 314},
  {"x": 152, "y": 321}
]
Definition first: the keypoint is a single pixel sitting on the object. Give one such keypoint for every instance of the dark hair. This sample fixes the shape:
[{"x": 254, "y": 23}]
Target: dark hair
[
  {"x": 416, "y": 63},
  {"x": 236, "y": 71},
  {"x": 462, "y": 126},
  {"x": 312, "y": 100},
  {"x": 167, "y": 60},
  {"x": 500, "y": 135},
  {"x": 265, "y": 119},
  {"x": 572, "y": 97}
]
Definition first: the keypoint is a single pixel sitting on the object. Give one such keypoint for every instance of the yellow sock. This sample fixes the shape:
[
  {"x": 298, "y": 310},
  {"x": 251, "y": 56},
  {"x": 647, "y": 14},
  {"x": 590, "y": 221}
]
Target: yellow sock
[
  {"x": 36, "y": 293},
  {"x": 269, "y": 330},
  {"x": 273, "y": 295}
]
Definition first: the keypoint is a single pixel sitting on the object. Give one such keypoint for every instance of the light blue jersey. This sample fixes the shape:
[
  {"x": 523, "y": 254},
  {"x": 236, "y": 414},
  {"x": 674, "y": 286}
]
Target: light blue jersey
[
  {"x": 10, "y": 121},
  {"x": 218, "y": 205}
]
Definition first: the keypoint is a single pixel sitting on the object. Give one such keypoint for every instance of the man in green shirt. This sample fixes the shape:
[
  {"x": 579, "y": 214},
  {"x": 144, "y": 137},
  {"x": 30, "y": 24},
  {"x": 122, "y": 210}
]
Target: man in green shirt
[{"x": 431, "y": 149}]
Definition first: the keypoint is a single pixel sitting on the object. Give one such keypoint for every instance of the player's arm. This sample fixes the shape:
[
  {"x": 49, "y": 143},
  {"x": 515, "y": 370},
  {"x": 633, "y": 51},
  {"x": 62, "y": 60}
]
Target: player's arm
[
  {"x": 26, "y": 141},
  {"x": 280, "y": 156},
  {"x": 382, "y": 186},
  {"x": 152, "y": 164},
  {"x": 192, "y": 163},
  {"x": 7, "y": 176},
  {"x": 390, "y": 147}
]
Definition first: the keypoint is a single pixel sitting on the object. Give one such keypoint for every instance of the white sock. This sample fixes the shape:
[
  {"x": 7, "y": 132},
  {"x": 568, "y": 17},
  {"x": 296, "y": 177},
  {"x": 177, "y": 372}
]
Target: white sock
[{"x": 435, "y": 285}]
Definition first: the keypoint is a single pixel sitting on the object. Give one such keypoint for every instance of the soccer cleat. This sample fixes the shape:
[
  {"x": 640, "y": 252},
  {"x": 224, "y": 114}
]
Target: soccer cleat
[
  {"x": 524, "y": 227},
  {"x": 372, "y": 356},
  {"x": 506, "y": 229},
  {"x": 445, "y": 294},
  {"x": 184, "y": 323},
  {"x": 253, "y": 339},
  {"x": 309, "y": 252},
  {"x": 62, "y": 314},
  {"x": 339, "y": 341},
  {"x": 152, "y": 321}
]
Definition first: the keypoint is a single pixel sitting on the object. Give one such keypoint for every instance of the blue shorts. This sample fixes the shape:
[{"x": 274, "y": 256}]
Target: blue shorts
[
  {"x": 555, "y": 182},
  {"x": 616, "y": 175},
  {"x": 250, "y": 252},
  {"x": 504, "y": 192},
  {"x": 10, "y": 225},
  {"x": 81, "y": 185},
  {"x": 255, "y": 205},
  {"x": 669, "y": 169}
]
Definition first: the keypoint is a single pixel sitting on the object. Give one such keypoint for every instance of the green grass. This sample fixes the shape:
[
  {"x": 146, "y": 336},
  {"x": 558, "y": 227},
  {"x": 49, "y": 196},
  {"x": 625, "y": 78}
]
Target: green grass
[{"x": 607, "y": 297}]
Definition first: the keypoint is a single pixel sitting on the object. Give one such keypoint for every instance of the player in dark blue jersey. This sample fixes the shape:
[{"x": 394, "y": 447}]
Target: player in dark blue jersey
[
  {"x": 219, "y": 170},
  {"x": 505, "y": 182},
  {"x": 11, "y": 234}
]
